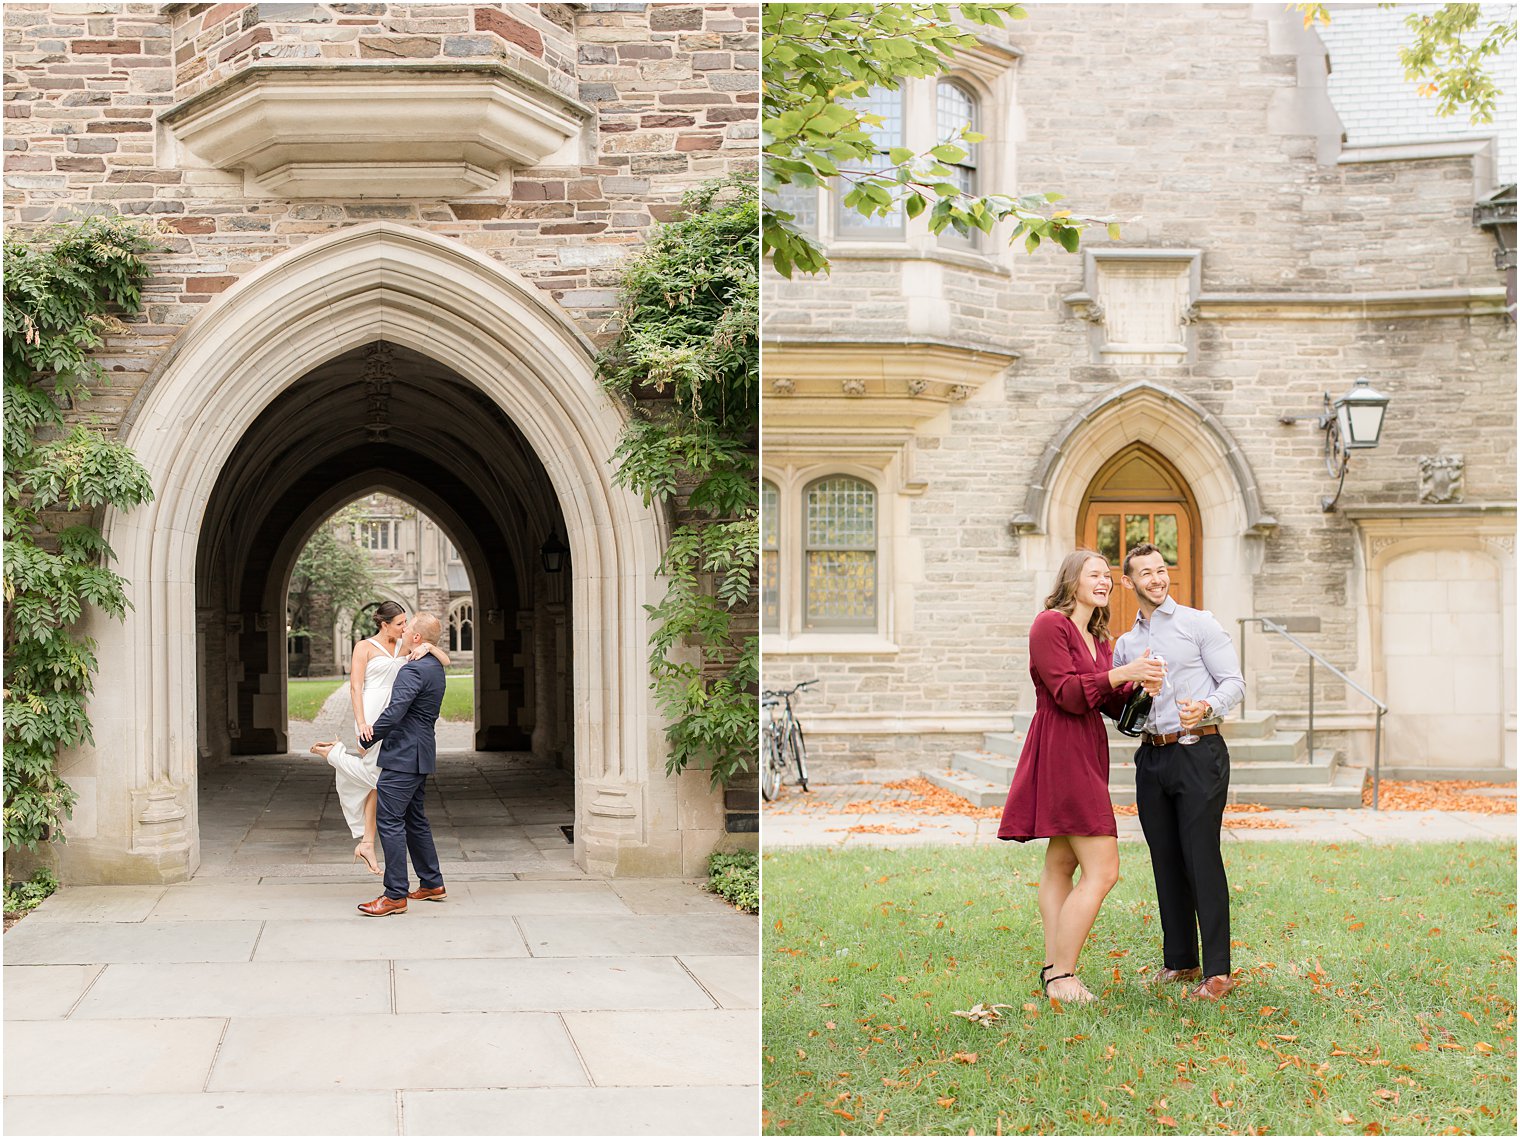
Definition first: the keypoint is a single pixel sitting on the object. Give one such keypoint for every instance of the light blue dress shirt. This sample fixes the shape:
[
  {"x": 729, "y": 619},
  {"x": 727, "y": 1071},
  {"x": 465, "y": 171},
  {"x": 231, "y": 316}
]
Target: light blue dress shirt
[{"x": 1201, "y": 662}]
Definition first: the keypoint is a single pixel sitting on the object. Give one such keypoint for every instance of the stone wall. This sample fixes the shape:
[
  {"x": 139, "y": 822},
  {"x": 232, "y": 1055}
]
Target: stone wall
[{"x": 1187, "y": 142}]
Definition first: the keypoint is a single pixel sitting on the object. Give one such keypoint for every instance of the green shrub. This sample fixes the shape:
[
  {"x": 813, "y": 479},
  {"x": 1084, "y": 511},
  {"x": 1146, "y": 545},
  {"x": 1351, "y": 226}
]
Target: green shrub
[
  {"x": 23, "y": 897},
  {"x": 735, "y": 877}
]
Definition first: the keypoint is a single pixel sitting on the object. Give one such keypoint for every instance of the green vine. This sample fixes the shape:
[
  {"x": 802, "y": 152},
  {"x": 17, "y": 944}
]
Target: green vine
[
  {"x": 687, "y": 357},
  {"x": 65, "y": 289}
]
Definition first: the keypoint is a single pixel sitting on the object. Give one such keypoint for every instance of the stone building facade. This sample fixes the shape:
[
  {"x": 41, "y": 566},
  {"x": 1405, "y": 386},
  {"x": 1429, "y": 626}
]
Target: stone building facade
[
  {"x": 415, "y": 563},
  {"x": 946, "y": 419},
  {"x": 392, "y": 236}
]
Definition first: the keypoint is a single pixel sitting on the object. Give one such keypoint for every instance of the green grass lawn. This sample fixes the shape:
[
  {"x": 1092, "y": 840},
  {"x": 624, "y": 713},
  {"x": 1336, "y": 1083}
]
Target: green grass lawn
[
  {"x": 1377, "y": 996},
  {"x": 459, "y": 697},
  {"x": 306, "y": 697}
]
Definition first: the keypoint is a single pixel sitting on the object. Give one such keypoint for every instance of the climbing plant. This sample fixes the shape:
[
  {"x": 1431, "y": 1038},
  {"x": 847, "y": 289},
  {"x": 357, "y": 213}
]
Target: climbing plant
[
  {"x": 687, "y": 359},
  {"x": 65, "y": 290}
]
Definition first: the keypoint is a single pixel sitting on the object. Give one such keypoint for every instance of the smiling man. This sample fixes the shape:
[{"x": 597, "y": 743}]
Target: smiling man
[{"x": 1181, "y": 788}]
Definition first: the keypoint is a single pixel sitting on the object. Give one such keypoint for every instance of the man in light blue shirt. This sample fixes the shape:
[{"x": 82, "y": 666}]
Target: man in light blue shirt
[{"x": 1181, "y": 788}]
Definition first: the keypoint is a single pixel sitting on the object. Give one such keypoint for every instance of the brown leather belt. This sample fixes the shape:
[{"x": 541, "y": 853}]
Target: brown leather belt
[{"x": 1163, "y": 741}]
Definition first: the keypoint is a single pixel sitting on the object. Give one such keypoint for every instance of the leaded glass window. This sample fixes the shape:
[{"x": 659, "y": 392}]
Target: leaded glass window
[
  {"x": 888, "y": 106},
  {"x": 770, "y": 557},
  {"x": 956, "y": 111},
  {"x": 840, "y": 551},
  {"x": 799, "y": 201}
]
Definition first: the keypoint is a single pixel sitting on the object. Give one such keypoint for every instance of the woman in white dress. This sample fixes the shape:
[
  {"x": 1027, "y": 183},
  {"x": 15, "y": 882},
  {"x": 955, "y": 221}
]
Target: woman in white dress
[{"x": 371, "y": 674}]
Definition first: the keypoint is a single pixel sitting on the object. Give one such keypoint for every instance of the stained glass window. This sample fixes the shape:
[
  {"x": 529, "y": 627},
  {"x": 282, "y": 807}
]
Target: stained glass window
[
  {"x": 955, "y": 111},
  {"x": 770, "y": 557},
  {"x": 840, "y": 540},
  {"x": 888, "y": 106}
]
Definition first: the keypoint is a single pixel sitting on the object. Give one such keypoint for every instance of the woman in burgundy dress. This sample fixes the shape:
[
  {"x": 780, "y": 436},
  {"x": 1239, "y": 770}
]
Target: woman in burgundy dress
[{"x": 1060, "y": 788}]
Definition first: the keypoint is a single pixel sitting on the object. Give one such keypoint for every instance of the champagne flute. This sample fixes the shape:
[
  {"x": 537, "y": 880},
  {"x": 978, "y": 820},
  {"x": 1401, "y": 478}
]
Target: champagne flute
[{"x": 1186, "y": 735}]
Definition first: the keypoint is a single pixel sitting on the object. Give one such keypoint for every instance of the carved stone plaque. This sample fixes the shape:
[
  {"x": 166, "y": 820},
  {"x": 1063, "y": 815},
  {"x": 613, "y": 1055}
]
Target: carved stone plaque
[{"x": 1441, "y": 478}]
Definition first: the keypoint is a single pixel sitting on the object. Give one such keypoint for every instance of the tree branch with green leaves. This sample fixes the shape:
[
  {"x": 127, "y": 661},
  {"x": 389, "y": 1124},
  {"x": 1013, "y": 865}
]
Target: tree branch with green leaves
[{"x": 818, "y": 62}]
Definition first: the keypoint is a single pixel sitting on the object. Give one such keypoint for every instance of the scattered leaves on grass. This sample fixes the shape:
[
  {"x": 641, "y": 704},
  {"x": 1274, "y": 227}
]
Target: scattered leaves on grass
[
  {"x": 985, "y": 1015},
  {"x": 871, "y": 828}
]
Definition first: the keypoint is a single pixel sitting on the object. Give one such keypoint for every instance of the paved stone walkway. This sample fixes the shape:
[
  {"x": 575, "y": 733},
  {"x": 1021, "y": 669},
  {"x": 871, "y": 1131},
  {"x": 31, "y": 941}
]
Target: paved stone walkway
[
  {"x": 818, "y": 818},
  {"x": 254, "y": 999}
]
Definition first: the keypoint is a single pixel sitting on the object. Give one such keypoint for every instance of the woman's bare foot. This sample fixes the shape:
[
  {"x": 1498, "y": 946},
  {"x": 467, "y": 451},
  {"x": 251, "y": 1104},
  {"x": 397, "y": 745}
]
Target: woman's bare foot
[
  {"x": 322, "y": 749},
  {"x": 365, "y": 853},
  {"x": 1069, "y": 990}
]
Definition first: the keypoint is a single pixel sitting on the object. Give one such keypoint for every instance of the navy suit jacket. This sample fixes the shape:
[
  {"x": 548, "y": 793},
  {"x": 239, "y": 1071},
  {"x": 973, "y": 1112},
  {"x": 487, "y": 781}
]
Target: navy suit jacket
[{"x": 408, "y": 723}]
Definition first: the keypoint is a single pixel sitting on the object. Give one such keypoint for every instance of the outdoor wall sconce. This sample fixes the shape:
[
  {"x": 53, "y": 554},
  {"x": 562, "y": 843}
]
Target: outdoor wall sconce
[
  {"x": 1351, "y": 423},
  {"x": 553, "y": 554}
]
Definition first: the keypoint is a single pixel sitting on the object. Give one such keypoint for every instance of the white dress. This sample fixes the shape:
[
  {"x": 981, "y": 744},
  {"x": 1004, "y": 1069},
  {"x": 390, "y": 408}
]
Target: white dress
[{"x": 357, "y": 775}]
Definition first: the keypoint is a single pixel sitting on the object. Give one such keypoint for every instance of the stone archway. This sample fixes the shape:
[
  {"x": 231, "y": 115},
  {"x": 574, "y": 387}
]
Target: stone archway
[
  {"x": 1228, "y": 503},
  {"x": 137, "y": 785}
]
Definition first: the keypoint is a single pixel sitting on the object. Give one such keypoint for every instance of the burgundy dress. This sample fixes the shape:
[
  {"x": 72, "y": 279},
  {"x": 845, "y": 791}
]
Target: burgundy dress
[{"x": 1061, "y": 784}]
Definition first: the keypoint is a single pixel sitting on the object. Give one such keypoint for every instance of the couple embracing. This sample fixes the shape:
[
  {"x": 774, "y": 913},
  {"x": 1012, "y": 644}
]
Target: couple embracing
[
  {"x": 1188, "y": 665},
  {"x": 397, "y": 685}
]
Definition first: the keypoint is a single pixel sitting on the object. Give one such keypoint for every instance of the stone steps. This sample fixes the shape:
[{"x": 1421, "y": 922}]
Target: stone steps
[{"x": 1267, "y": 766}]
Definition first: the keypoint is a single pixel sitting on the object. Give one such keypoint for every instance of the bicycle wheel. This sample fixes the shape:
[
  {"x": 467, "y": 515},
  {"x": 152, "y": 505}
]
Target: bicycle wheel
[
  {"x": 797, "y": 753},
  {"x": 770, "y": 766}
]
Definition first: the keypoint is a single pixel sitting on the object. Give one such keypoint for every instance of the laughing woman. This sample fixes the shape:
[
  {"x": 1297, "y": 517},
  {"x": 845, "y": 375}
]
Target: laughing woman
[{"x": 1060, "y": 788}]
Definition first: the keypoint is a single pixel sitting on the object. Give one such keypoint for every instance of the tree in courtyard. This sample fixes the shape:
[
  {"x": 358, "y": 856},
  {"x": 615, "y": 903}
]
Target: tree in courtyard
[
  {"x": 332, "y": 575},
  {"x": 65, "y": 290},
  {"x": 1449, "y": 55},
  {"x": 818, "y": 62}
]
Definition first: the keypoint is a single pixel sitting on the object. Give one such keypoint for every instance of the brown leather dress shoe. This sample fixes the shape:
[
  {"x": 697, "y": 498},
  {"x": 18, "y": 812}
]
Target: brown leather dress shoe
[
  {"x": 382, "y": 906},
  {"x": 429, "y": 894},
  {"x": 1212, "y": 988},
  {"x": 1168, "y": 975}
]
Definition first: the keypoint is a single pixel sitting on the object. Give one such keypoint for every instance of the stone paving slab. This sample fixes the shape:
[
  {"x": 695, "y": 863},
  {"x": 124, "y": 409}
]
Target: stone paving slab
[
  {"x": 429, "y": 934},
  {"x": 90, "y": 943},
  {"x": 407, "y": 1050},
  {"x": 547, "y": 984},
  {"x": 247, "y": 988},
  {"x": 269, "y": 900},
  {"x": 576, "y": 897},
  {"x": 734, "y": 981},
  {"x": 667, "y": 896},
  {"x": 109, "y": 1056},
  {"x": 45, "y": 992},
  {"x": 663, "y": 936},
  {"x": 660, "y": 1048},
  {"x": 228, "y": 1113},
  {"x": 733, "y": 1110},
  {"x": 99, "y": 903}
]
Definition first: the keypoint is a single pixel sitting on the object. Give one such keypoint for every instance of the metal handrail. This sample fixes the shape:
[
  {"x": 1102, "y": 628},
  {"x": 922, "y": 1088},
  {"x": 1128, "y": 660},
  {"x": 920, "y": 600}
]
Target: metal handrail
[{"x": 1270, "y": 626}]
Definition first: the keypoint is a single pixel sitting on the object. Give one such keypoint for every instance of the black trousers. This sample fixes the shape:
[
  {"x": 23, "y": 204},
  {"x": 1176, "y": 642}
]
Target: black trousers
[
  {"x": 404, "y": 829},
  {"x": 1181, "y": 791}
]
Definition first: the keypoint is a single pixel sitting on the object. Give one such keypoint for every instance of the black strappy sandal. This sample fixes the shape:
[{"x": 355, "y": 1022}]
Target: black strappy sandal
[
  {"x": 1057, "y": 977},
  {"x": 1044, "y": 984}
]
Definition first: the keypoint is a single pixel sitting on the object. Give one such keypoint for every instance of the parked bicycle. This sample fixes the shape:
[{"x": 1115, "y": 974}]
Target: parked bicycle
[{"x": 781, "y": 741}]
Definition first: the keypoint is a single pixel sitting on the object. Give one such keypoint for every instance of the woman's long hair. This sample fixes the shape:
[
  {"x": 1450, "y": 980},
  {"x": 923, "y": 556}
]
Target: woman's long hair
[
  {"x": 1064, "y": 595},
  {"x": 390, "y": 610}
]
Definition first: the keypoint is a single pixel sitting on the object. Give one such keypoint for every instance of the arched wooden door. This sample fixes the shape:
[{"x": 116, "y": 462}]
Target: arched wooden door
[{"x": 1138, "y": 497}]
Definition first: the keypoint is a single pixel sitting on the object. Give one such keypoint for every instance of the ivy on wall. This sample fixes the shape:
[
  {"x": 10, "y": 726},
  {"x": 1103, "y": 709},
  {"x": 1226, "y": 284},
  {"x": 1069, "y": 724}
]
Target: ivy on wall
[
  {"x": 687, "y": 358},
  {"x": 65, "y": 289}
]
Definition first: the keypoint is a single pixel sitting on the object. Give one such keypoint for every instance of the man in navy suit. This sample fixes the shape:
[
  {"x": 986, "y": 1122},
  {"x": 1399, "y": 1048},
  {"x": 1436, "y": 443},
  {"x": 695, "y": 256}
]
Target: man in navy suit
[{"x": 408, "y": 755}]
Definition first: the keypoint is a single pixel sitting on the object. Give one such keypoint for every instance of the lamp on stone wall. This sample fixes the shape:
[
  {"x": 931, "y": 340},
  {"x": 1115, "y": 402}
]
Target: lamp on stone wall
[
  {"x": 553, "y": 554},
  {"x": 1352, "y": 423}
]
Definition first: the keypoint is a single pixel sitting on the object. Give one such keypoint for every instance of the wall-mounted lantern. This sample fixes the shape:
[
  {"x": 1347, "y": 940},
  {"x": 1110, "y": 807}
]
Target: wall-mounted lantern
[
  {"x": 553, "y": 554},
  {"x": 1351, "y": 423}
]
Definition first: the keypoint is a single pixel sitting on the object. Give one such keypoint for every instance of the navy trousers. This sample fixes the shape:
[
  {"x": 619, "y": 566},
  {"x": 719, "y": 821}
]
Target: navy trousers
[
  {"x": 1181, "y": 791},
  {"x": 404, "y": 830}
]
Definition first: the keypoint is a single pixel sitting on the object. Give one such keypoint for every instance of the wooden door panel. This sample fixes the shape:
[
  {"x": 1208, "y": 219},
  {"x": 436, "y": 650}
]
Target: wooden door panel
[{"x": 1113, "y": 528}]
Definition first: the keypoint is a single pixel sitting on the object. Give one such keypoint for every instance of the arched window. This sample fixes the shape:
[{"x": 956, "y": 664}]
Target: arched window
[
  {"x": 770, "y": 556},
  {"x": 956, "y": 111},
  {"x": 887, "y": 105},
  {"x": 839, "y": 580},
  {"x": 462, "y": 628}
]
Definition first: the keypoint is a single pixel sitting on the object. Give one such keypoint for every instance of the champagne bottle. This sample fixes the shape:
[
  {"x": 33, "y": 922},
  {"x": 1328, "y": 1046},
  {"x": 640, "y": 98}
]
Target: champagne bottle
[{"x": 1132, "y": 719}]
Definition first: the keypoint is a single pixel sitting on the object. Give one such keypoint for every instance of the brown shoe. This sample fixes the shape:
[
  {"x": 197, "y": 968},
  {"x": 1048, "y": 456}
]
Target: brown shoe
[
  {"x": 1213, "y": 988},
  {"x": 429, "y": 894},
  {"x": 382, "y": 906},
  {"x": 1166, "y": 976}
]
